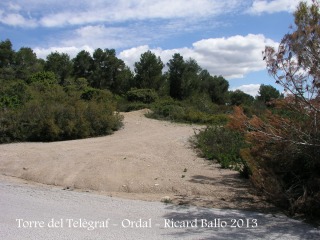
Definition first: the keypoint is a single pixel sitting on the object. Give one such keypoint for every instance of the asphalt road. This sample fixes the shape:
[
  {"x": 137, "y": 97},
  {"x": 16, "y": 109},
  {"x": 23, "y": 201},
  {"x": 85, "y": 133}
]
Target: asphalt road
[{"x": 40, "y": 212}]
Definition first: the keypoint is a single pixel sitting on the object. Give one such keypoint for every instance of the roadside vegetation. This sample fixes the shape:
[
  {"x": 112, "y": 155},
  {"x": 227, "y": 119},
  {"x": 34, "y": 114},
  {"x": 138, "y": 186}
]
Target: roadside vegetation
[{"x": 272, "y": 139}]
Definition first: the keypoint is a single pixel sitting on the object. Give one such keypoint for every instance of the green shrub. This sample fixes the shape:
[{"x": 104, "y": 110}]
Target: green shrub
[
  {"x": 142, "y": 95},
  {"x": 203, "y": 103},
  {"x": 123, "y": 105},
  {"x": 135, "y": 106},
  {"x": 195, "y": 116},
  {"x": 44, "y": 77},
  {"x": 173, "y": 110},
  {"x": 9, "y": 101},
  {"x": 51, "y": 114},
  {"x": 166, "y": 109},
  {"x": 8, "y": 126},
  {"x": 94, "y": 94},
  {"x": 221, "y": 144},
  {"x": 65, "y": 121},
  {"x": 13, "y": 94}
]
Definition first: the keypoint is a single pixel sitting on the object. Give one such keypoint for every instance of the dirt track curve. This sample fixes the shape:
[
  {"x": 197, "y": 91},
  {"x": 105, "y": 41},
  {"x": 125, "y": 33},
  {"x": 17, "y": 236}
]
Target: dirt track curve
[{"x": 147, "y": 159}]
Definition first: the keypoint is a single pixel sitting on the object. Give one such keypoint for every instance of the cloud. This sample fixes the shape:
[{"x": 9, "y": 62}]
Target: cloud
[
  {"x": 60, "y": 13},
  {"x": 264, "y": 6},
  {"x": 71, "y": 51},
  {"x": 119, "y": 36},
  {"x": 14, "y": 6},
  {"x": 16, "y": 20},
  {"x": 96, "y": 12},
  {"x": 232, "y": 57},
  {"x": 101, "y": 36},
  {"x": 251, "y": 89},
  {"x": 96, "y": 36}
]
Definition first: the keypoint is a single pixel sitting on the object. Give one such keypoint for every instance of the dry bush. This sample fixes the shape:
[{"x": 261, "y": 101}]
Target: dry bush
[{"x": 284, "y": 157}]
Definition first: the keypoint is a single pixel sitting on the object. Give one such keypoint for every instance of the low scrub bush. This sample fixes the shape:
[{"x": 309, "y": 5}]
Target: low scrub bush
[
  {"x": 165, "y": 109},
  {"x": 51, "y": 114},
  {"x": 142, "y": 95},
  {"x": 13, "y": 94},
  {"x": 173, "y": 110},
  {"x": 195, "y": 116},
  {"x": 123, "y": 105},
  {"x": 283, "y": 158},
  {"x": 221, "y": 144},
  {"x": 135, "y": 106}
]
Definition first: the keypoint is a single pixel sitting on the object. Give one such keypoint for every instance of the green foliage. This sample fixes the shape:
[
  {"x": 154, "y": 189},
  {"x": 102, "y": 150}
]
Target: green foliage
[
  {"x": 6, "y": 60},
  {"x": 13, "y": 94},
  {"x": 238, "y": 98},
  {"x": 75, "y": 87},
  {"x": 44, "y": 77},
  {"x": 166, "y": 109},
  {"x": 148, "y": 71},
  {"x": 26, "y": 63},
  {"x": 89, "y": 94},
  {"x": 82, "y": 65},
  {"x": 133, "y": 106},
  {"x": 123, "y": 105},
  {"x": 123, "y": 79},
  {"x": 221, "y": 144},
  {"x": 103, "y": 70},
  {"x": 183, "y": 77},
  {"x": 142, "y": 95},
  {"x": 60, "y": 64},
  {"x": 108, "y": 71},
  {"x": 6, "y": 53},
  {"x": 17, "y": 65},
  {"x": 173, "y": 110},
  {"x": 215, "y": 86},
  {"x": 267, "y": 93},
  {"x": 190, "y": 78},
  {"x": 46, "y": 112},
  {"x": 8, "y": 101},
  {"x": 95, "y": 94},
  {"x": 176, "y": 68},
  {"x": 63, "y": 121}
]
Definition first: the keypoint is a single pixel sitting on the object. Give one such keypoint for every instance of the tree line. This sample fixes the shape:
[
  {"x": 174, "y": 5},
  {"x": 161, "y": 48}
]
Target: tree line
[{"x": 104, "y": 70}]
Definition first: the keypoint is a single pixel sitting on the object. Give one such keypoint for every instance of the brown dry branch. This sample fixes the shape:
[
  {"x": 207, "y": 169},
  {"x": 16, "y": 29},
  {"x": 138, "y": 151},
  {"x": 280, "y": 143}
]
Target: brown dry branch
[{"x": 282, "y": 158}]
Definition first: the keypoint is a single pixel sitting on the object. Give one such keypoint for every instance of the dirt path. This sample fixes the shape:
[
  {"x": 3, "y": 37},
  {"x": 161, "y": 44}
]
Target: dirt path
[{"x": 147, "y": 159}]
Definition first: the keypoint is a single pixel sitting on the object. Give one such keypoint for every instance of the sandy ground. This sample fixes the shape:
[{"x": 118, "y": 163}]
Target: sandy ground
[{"x": 147, "y": 159}]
